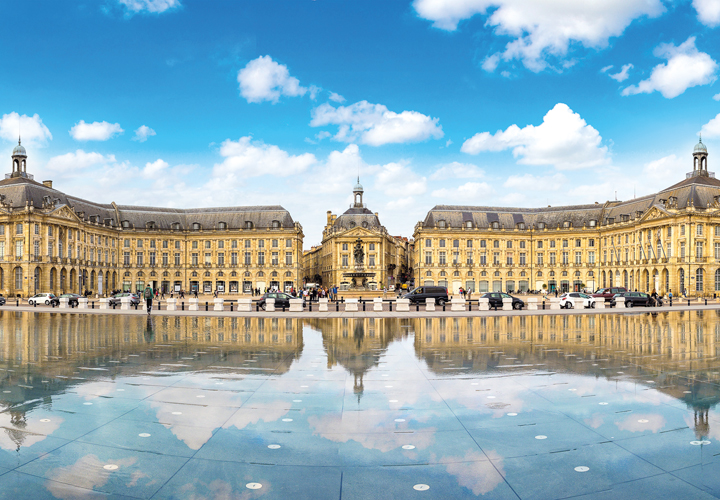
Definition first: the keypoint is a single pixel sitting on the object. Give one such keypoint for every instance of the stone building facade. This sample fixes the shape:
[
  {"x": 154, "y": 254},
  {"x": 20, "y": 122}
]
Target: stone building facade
[
  {"x": 54, "y": 242},
  {"x": 668, "y": 241},
  {"x": 356, "y": 251}
]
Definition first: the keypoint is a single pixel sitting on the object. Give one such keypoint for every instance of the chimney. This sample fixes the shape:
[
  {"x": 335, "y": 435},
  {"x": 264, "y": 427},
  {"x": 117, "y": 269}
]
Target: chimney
[{"x": 48, "y": 184}]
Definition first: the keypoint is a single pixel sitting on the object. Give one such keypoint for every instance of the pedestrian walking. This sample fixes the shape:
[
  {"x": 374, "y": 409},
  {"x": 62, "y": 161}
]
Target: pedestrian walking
[{"x": 148, "y": 294}]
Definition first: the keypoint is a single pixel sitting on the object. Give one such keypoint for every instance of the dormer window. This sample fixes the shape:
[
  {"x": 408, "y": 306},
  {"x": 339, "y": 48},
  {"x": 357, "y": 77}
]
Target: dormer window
[
  {"x": 521, "y": 226},
  {"x": 495, "y": 225},
  {"x": 222, "y": 226},
  {"x": 126, "y": 224},
  {"x": 541, "y": 225},
  {"x": 150, "y": 225},
  {"x": 567, "y": 224},
  {"x": 196, "y": 226},
  {"x": 248, "y": 224},
  {"x": 593, "y": 223},
  {"x": 176, "y": 226},
  {"x": 442, "y": 224},
  {"x": 468, "y": 224}
]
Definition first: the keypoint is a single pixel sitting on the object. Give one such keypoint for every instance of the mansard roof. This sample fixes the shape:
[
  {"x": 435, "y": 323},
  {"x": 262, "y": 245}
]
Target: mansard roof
[
  {"x": 19, "y": 192},
  {"x": 356, "y": 216}
]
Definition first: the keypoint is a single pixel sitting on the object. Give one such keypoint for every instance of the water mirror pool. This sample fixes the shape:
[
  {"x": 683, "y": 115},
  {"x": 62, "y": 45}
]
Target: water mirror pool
[{"x": 530, "y": 407}]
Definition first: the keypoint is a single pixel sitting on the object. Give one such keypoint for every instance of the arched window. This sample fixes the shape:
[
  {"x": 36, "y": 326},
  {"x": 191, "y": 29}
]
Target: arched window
[
  {"x": 699, "y": 280},
  {"x": 496, "y": 225},
  {"x": 468, "y": 224},
  {"x": 248, "y": 224},
  {"x": 276, "y": 224},
  {"x": 222, "y": 226}
]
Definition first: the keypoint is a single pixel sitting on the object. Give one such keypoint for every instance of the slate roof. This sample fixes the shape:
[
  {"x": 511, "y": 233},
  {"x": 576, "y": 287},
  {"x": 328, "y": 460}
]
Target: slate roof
[
  {"x": 356, "y": 216},
  {"x": 20, "y": 191}
]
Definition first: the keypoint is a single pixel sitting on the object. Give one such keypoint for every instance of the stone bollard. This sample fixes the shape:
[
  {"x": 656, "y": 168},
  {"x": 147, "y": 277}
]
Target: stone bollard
[
  {"x": 103, "y": 303},
  {"x": 483, "y": 304},
  {"x": 194, "y": 305},
  {"x": 296, "y": 305},
  {"x": 323, "y": 304},
  {"x": 619, "y": 303},
  {"x": 351, "y": 305},
  {"x": 554, "y": 303},
  {"x": 599, "y": 303},
  {"x": 143, "y": 304},
  {"x": 270, "y": 305},
  {"x": 507, "y": 304},
  {"x": 377, "y": 304},
  {"x": 64, "y": 302},
  {"x": 457, "y": 304},
  {"x": 125, "y": 303},
  {"x": 82, "y": 303},
  {"x": 244, "y": 305},
  {"x": 403, "y": 305},
  {"x": 171, "y": 304},
  {"x": 219, "y": 304},
  {"x": 532, "y": 304},
  {"x": 429, "y": 304}
]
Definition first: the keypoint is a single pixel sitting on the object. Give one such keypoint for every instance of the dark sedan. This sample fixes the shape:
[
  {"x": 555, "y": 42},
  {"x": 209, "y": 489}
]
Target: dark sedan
[
  {"x": 635, "y": 299},
  {"x": 281, "y": 300},
  {"x": 496, "y": 300},
  {"x": 72, "y": 298}
]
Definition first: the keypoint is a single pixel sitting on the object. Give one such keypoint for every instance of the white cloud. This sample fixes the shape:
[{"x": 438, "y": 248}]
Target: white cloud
[
  {"x": 712, "y": 128},
  {"x": 95, "y": 131},
  {"x": 708, "y": 12},
  {"x": 142, "y": 133},
  {"x": 79, "y": 160},
  {"x": 32, "y": 129},
  {"x": 563, "y": 139},
  {"x": 470, "y": 191},
  {"x": 151, "y": 6},
  {"x": 686, "y": 67},
  {"x": 606, "y": 69},
  {"x": 396, "y": 179},
  {"x": 665, "y": 171},
  {"x": 336, "y": 97},
  {"x": 263, "y": 79},
  {"x": 457, "y": 170},
  {"x": 245, "y": 158},
  {"x": 152, "y": 170},
  {"x": 541, "y": 29},
  {"x": 375, "y": 125},
  {"x": 531, "y": 182},
  {"x": 716, "y": 97},
  {"x": 622, "y": 75}
]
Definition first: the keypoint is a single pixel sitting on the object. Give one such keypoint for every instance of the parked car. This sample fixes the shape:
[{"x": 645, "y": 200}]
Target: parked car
[
  {"x": 43, "y": 298},
  {"x": 421, "y": 293},
  {"x": 116, "y": 299},
  {"x": 281, "y": 300},
  {"x": 635, "y": 299},
  {"x": 576, "y": 300},
  {"x": 608, "y": 293},
  {"x": 72, "y": 298},
  {"x": 496, "y": 300}
]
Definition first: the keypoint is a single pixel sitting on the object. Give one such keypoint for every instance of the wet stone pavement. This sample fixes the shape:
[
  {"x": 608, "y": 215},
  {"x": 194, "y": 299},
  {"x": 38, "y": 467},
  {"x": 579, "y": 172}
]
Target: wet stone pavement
[{"x": 528, "y": 407}]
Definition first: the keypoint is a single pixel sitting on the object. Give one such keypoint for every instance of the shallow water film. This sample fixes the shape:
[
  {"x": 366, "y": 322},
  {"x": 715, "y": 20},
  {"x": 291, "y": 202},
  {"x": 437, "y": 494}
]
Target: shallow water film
[{"x": 529, "y": 407}]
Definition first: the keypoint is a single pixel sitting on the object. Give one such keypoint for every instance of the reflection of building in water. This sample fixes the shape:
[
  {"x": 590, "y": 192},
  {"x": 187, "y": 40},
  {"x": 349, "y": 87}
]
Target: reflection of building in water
[
  {"x": 357, "y": 344},
  {"x": 680, "y": 349}
]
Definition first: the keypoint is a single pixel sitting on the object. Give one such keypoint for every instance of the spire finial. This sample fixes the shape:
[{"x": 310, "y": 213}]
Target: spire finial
[{"x": 700, "y": 136}]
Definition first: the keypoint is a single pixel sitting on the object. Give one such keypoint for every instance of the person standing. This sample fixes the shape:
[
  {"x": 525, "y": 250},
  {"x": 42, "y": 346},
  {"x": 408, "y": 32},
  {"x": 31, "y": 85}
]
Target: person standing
[{"x": 148, "y": 295}]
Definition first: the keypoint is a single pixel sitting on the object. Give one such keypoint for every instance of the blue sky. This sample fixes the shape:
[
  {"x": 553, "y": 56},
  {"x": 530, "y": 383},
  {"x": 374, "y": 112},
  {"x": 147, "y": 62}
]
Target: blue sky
[{"x": 480, "y": 102}]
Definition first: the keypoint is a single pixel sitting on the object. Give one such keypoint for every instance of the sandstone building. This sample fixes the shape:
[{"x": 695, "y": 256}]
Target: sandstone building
[
  {"x": 54, "y": 242},
  {"x": 668, "y": 241}
]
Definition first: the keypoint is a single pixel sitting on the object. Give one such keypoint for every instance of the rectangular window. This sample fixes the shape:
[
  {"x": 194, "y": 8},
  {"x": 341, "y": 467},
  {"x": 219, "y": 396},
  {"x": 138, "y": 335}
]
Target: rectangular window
[
  {"x": 126, "y": 243},
  {"x": 578, "y": 258},
  {"x": 234, "y": 259},
  {"x": 274, "y": 260},
  {"x": 288, "y": 243},
  {"x": 565, "y": 258},
  {"x": 496, "y": 258},
  {"x": 248, "y": 259},
  {"x": 221, "y": 259},
  {"x": 152, "y": 259},
  {"x": 274, "y": 243},
  {"x": 717, "y": 251},
  {"x": 442, "y": 243},
  {"x": 152, "y": 244},
  {"x": 483, "y": 244},
  {"x": 469, "y": 260},
  {"x": 539, "y": 244},
  {"x": 139, "y": 243},
  {"x": 208, "y": 245},
  {"x": 565, "y": 243},
  {"x": 372, "y": 247},
  {"x": 344, "y": 260},
  {"x": 247, "y": 244},
  {"x": 578, "y": 243},
  {"x": 139, "y": 258},
  {"x": 456, "y": 257},
  {"x": 522, "y": 244},
  {"x": 165, "y": 243},
  {"x": 37, "y": 229},
  {"x": 50, "y": 249},
  {"x": 428, "y": 243},
  {"x": 469, "y": 243},
  {"x": 2, "y": 229},
  {"x": 126, "y": 258},
  {"x": 682, "y": 230},
  {"x": 165, "y": 260},
  {"x": 698, "y": 250},
  {"x": 682, "y": 249},
  {"x": 591, "y": 242},
  {"x": 194, "y": 258},
  {"x": 177, "y": 245},
  {"x": 221, "y": 244},
  {"x": 483, "y": 259},
  {"x": 552, "y": 243},
  {"x": 699, "y": 230},
  {"x": 194, "y": 245},
  {"x": 441, "y": 259},
  {"x": 36, "y": 248},
  {"x": 261, "y": 258},
  {"x": 288, "y": 258},
  {"x": 591, "y": 258},
  {"x": 208, "y": 258},
  {"x": 509, "y": 259},
  {"x": 2, "y": 250},
  {"x": 522, "y": 259},
  {"x": 428, "y": 258},
  {"x": 509, "y": 244},
  {"x": 371, "y": 261},
  {"x": 552, "y": 258},
  {"x": 261, "y": 243},
  {"x": 539, "y": 259},
  {"x": 177, "y": 259}
]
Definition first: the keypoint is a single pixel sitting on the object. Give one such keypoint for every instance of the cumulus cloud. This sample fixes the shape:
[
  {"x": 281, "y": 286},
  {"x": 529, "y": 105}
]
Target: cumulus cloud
[
  {"x": 712, "y": 128},
  {"x": 152, "y": 170},
  {"x": 623, "y": 74},
  {"x": 263, "y": 79},
  {"x": 716, "y": 97},
  {"x": 541, "y": 29},
  {"x": 686, "y": 67},
  {"x": 336, "y": 97},
  {"x": 95, "y": 131},
  {"x": 142, "y": 133},
  {"x": 606, "y": 69},
  {"x": 531, "y": 182},
  {"x": 708, "y": 12},
  {"x": 375, "y": 125},
  {"x": 246, "y": 158},
  {"x": 79, "y": 160},
  {"x": 457, "y": 170},
  {"x": 33, "y": 130},
  {"x": 470, "y": 191},
  {"x": 150, "y": 6},
  {"x": 563, "y": 139},
  {"x": 396, "y": 179}
]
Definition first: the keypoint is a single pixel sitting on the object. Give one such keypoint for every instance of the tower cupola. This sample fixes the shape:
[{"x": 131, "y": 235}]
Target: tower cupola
[
  {"x": 19, "y": 161},
  {"x": 700, "y": 155},
  {"x": 358, "y": 194}
]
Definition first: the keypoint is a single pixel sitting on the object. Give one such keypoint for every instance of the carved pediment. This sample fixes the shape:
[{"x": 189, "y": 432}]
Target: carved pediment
[
  {"x": 655, "y": 213},
  {"x": 65, "y": 212}
]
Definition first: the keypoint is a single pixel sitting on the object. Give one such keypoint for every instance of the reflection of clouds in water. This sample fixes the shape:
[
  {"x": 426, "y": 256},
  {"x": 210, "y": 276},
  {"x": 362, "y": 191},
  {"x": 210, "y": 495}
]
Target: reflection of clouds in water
[
  {"x": 32, "y": 432},
  {"x": 475, "y": 472},
  {"x": 244, "y": 417},
  {"x": 87, "y": 473},
  {"x": 218, "y": 490},
  {"x": 654, "y": 422},
  {"x": 595, "y": 422},
  {"x": 373, "y": 430},
  {"x": 182, "y": 425}
]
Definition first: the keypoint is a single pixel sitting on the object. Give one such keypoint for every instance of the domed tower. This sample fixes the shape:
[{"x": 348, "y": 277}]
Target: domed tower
[
  {"x": 19, "y": 159},
  {"x": 700, "y": 159},
  {"x": 358, "y": 194}
]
